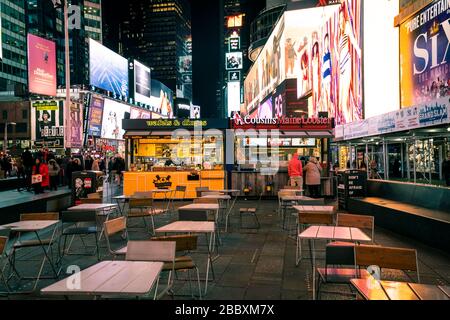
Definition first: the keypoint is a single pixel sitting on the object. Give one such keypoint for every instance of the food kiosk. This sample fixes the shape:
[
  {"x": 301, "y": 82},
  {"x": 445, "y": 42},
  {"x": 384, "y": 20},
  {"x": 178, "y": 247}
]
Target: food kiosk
[
  {"x": 263, "y": 148},
  {"x": 166, "y": 153}
]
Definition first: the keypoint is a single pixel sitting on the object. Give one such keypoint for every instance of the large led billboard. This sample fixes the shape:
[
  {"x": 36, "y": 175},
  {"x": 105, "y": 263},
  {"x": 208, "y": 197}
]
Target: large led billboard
[
  {"x": 424, "y": 55},
  {"x": 142, "y": 82},
  {"x": 107, "y": 69},
  {"x": 41, "y": 66},
  {"x": 139, "y": 113},
  {"x": 381, "y": 63},
  {"x": 162, "y": 99},
  {"x": 113, "y": 114},
  {"x": 320, "y": 48}
]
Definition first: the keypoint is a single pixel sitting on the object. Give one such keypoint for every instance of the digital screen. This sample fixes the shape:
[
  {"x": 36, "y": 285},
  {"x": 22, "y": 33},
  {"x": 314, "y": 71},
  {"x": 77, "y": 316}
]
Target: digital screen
[
  {"x": 233, "y": 60},
  {"x": 303, "y": 142},
  {"x": 139, "y": 113},
  {"x": 142, "y": 82},
  {"x": 41, "y": 65},
  {"x": 108, "y": 70},
  {"x": 95, "y": 116},
  {"x": 113, "y": 114},
  {"x": 162, "y": 99},
  {"x": 265, "y": 110},
  {"x": 195, "y": 112}
]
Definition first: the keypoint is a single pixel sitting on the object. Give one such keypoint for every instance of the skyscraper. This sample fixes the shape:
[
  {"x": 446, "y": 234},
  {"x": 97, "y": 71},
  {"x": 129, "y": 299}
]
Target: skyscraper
[
  {"x": 158, "y": 34},
  {"x": 13, "y": 56},
  {"x": 93, "y": 19}
]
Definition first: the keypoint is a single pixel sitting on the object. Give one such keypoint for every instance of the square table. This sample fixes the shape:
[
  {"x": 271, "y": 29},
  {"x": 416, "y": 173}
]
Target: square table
[
  {"x": 330, "y": 233},
  {"x": 206, "y": 227},
  {"x": 373, "y": 289},
  {"x": 122, "y": 199},
  {"x": 35, "y": 226},
  {"x": 234, "y": 193},
  {"x": 206, "y": 207},
  {"x": 123, "y": 278}
]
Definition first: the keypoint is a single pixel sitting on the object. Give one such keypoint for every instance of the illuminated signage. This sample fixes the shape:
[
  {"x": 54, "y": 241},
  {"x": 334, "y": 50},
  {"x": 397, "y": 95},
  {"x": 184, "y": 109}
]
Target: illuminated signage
[
  {"x": 234, "y": 43},
  {"x": 234, "y": 21},
  {"x": 234, "y": 76},
  {"x": 284, "y": 123},
  {"x": 233, "y": 60},
  {"x": 176, "y": 123}
]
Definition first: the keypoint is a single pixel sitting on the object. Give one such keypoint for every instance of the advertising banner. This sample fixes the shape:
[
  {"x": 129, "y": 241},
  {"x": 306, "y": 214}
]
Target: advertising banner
[
  {"x": 95, "y": 116},
  {"x": 142, "y": 82},
  {"x": 162, "y": 99},
  {"x": 113, "y": 114},
  {"x": 195, "y": 112},
  {"x": 424, "y": 55},
  {"x": 41, "y": 66},
  {"x": 47, "y": 123},
  {"x": 185, "y": 68},
  {"x": 233, "y": 60},
  {"x": 107, "y": 69},
  {"x": 139, "y": 113},
  {"x": 75, "y": 124}
]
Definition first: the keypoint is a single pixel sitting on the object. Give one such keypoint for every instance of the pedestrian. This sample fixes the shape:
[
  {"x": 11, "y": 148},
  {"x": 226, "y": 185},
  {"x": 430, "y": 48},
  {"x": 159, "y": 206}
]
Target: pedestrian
[
  {"x": 95, "y": 165},
  {"x": 313, "y": 172},
  {"x": 28, "y": 161},
  {"x": 295, "y": 172},
  {"x": 119, "y": 167},
  {"x": 42, "y": 169},
  {"x": 21, "y": 177},
  {"x": 53, "y": 171},
  {"x": 446, "y": 170}
]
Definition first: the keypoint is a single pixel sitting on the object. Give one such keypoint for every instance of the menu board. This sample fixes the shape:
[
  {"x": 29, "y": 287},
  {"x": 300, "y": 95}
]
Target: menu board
[{"x": 351, "y": 184}]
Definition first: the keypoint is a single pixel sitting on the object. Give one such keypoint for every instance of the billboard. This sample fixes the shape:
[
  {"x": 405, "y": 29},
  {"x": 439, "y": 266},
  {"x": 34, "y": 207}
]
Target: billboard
[
  {"x": 321, "y": 49},
  {"x": 139, "y": 113},
  {"x": 381, "y": 62},
  {"x": 424, "y": 55},
  {"x": 265, "y": 109},
  {"x": 233, "y": 60},
  {"x": 41, "y": 66},
  {"x": 47, "y": 123},
  {"x": 162, "y": 99},
  {"x": 142, "y": 82},
  {"x": 95, "y": 116},
  {"x": 185, "y": 68},
  {"x": 234, "y": 76},
  {"x": 195, "y": 112},
  {"x": 75, "y": 126},
  {"x": 107, "y": 69},
  {"x": 113, "y": 114},
  {"x": 234, "y": 97}
]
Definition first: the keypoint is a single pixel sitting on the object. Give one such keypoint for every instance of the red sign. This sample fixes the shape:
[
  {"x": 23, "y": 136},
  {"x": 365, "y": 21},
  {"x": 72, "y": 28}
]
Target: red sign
[
  {"x": 283, "y": 123},
  {"x": 41, "y": 66}
]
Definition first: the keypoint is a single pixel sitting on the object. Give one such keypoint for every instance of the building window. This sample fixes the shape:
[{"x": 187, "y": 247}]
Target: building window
[
  {"x": 24, "y": 114},
  {"x": 5, "y": 115}
]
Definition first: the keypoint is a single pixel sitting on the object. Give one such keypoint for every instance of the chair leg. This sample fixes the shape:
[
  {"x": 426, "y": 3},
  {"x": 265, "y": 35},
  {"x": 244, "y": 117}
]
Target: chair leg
[
  {"x": 153, "y": 224},
  {"x": 319, "y": 283},
  {"x": 198, "y": 282},
  {"x": 257, "y": 221},
  {"x": 190, "y": 282},
  {"x": 97, "y": 246}
]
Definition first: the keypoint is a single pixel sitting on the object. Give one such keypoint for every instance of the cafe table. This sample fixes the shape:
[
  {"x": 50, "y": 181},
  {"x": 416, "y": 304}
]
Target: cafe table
[
  {"x": 328, "y": 233},
  {"x": 110, "y": 278},
  {"x": 206, "y": 207},
  {"x": 373, "y": 289},
  {"x": 102, "y": 209},
  {"x": 189, "y": 227},
  {"x": 234, "y": 193},
  {"x": 35, "y": 227}
]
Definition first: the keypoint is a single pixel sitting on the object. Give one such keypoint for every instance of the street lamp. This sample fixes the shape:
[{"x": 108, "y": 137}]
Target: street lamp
[{"x": 5, "y": 142}]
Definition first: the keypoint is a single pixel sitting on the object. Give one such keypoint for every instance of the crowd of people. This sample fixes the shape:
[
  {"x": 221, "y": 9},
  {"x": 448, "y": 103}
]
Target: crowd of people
[{"x": 43, "y": 170}]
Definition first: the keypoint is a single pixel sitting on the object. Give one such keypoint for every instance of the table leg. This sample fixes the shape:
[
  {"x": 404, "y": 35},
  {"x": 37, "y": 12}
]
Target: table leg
[
  {"x": 50, "y": 260},
  {"x": 313, "y": 262},
  {"x": 209, "y": 262},
  {"x": 229, "y": 212}
]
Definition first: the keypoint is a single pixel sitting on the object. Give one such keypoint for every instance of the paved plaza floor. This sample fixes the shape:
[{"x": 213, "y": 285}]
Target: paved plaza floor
[{"x": 253, "y": 264}]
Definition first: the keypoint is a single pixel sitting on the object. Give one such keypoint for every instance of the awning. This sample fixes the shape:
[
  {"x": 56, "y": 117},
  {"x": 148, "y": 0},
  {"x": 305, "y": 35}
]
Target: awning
[{"x": 300, "y": 134}]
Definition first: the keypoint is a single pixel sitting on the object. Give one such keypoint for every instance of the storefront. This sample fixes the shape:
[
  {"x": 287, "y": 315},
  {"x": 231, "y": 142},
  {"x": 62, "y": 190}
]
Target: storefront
[
  {"x": 264, "y": 147},
  {"x": 164, "y": 154}
]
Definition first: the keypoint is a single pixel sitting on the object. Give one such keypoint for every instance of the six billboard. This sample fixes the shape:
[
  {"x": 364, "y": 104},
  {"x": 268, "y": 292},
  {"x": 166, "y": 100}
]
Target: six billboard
[
  {"x": 424, "y": 55},
  {"x": 47, "y": 123},
  {"x": 107, "y": 69},
  {"x": 41, "y": 66}
]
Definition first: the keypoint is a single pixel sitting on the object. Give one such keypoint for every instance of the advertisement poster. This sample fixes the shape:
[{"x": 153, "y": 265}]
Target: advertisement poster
[
  {"x": 113, "y": 114},
  {"x": 142, "y": 82},
  {"x": 95, "y": 116},
  {"x": 424, "y": 55},
  {"x": 233, "y": 60},
  {"x": 194, "y": 112},
  {"x": 47, "y": 123},
  {"x": 139, "y": 113},
  {"x": 107, "y": 69},
  {"x": 162, "y": 99},
  {"x": 75, "y": 134},
  {"x": 185, "y": 68},
  {"x": 83, "y": 183},
  {"x": 41, "y": 66}
]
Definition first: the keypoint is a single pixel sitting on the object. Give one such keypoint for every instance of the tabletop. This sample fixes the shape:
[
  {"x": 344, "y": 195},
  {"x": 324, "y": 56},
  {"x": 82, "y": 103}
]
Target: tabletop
[
  {"x": 188, "y": 226},
  {"x": 200, "y": 206},
  {"x": 217, "y": 196},
  {"x": 372, "y": 289},
  {"x": 110, "y": 277},
  {"x": 296, "y": 198},
  {"x": 122, "y": 197},
  {"x": 36, "y": 225},
  {"x": 334, "y": 233},
  {"x": 225, "y": 191},
  {"x": 314, "y": 209},
  {"x": 93, "y": 206}
]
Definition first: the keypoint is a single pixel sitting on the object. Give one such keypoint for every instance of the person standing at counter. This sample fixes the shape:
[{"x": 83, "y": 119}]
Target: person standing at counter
[
  {"x": 313, "y": 171},
  {"x": 295, "y": 171}
]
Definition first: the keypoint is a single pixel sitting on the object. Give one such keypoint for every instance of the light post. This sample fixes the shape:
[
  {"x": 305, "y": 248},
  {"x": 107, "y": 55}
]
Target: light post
[{"x": 5, "y": 142}]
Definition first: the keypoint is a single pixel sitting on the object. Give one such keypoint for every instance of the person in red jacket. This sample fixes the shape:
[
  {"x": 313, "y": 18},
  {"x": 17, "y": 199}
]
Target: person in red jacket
[
  {"x": 295, "y": 172},
  {"x": 42, "y": 169}
]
